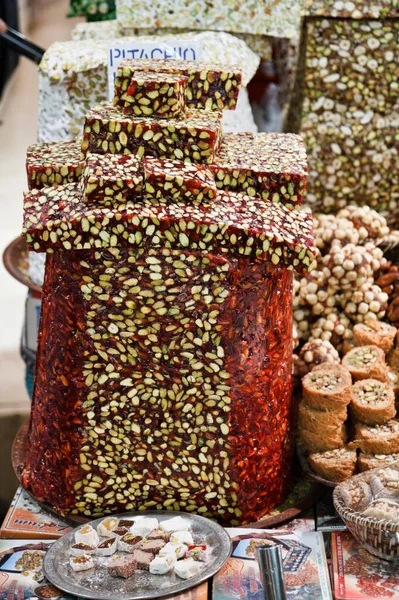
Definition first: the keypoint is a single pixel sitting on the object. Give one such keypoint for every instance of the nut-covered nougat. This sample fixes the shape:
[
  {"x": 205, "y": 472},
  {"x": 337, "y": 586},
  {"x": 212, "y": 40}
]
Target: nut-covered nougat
[
  {"x": 194, "y": 138},
  {"x": 210, "y": 86},
  {"x": 160, "y": 95},
  {"x": 140, "y": 370},
  {"x": 111, "y": 179},
  {"x": 234, "y": 224},
  {"x": 272, "y": 166},
  {"x": 53, "y": 163},
  {"x": 166, "y": 180}
]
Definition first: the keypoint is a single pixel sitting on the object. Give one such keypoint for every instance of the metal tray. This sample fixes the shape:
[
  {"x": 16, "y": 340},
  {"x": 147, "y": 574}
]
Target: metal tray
[{"x": 97, "y": 584}]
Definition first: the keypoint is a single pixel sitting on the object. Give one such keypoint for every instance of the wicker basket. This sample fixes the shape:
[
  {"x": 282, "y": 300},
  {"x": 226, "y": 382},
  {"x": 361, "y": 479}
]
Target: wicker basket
[{"x": 378, "y": 536}]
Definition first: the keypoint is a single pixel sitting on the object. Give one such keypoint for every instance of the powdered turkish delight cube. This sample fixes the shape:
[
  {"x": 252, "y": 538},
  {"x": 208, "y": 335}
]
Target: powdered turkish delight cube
[
  {"x": 210, "y": 86},
  {"x": 174, "y": 180},
  {"x": 155, "y": 95},
  {"x": 268, "y": 165},
  {"x": 53, "y": 163},
  {"x": 196, "y": 138},
  {"x": 111, "y": 179}
]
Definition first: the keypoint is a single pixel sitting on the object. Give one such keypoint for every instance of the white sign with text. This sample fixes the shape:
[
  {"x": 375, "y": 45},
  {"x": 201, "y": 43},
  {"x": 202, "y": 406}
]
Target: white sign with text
[{"x": 183, "y": 50}]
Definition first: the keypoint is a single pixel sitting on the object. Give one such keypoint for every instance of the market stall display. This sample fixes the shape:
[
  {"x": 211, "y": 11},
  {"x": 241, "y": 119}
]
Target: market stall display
[{"x": 151, "y": 290}]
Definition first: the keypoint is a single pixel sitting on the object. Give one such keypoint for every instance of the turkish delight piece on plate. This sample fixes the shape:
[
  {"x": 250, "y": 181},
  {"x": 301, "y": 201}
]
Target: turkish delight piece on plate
[
  {"x": 78, "y": 549},
  {"x": 143, "y": 559},
  {"x": 175, "y": 524},
  {"x": 83, "y": 562},
  {"x": 162, "y": 564},
  {"x": 108, "y": 547},
  {"x": 128, "y": 542},
  {"x": 187, "y": 568},
  {"x": 87, "y": 535},
  {"x": 106, "y": 527},
  {"x": 122, "y": 566},
  {"x": 182, "y": 537}
]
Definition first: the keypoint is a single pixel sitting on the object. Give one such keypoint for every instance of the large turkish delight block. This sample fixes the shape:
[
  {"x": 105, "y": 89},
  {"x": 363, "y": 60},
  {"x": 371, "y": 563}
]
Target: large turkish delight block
[
  {"x": 153, "y": 392},
  {"x": 166, "y": 180},
  {"x": 359, "y": 168},
  {"x": 155, "y": 95},
  {"x": 354, "y": 9},
  {"x": 347, "y": 95},
  {"x": 269, "y": 165},
  {"x": 352, "y": 64},
  {"x": 210, "y": 86},
  {"x": 234, "y": 224},
  {"x": 195, "y": 138},
  {"x": 278, "y": 18},
  {"x": 53, "y": 163},
  {"x": 111, "y": 179}
]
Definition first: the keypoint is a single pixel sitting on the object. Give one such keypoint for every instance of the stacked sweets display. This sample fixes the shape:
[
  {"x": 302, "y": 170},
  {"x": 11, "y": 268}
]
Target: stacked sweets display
[
  {"x": 367, "y": 383},
  {"x": 163, "y": 376}
]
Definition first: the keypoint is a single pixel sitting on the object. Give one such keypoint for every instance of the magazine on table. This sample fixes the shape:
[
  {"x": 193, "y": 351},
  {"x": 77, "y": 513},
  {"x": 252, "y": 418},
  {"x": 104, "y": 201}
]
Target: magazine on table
[
  {"x": 359, "y": 574},
  {"x": 304, "y": 562}
]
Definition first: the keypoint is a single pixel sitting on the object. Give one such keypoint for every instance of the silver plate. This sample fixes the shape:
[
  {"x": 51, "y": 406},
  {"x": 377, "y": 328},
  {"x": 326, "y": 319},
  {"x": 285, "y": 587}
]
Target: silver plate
[{"x": 97, "y": 584}]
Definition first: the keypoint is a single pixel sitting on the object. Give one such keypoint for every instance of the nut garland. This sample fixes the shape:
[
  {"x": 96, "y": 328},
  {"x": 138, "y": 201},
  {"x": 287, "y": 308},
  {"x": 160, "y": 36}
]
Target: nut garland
[
  {"x": 173, "y": 180},
  {"x": 111, "y": 179},
  {"x": 269, "y": 165},
  {"x": 210, "y": 86},
  {"x": 155, "y": 95},
  {"x": 57, "y": 218},
  {"x": 173, "y": 392},
  {"x": 196, "y": 138},
  {"x": 53, "y": 163}
]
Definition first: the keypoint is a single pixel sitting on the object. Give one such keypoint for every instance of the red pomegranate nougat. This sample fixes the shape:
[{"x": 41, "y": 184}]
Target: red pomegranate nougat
[
  {"x": 166, "y": 180},
  {"x": 194, "y": 138},
  {"x": 210, "y": 86},
  {"x": 161, "y": 379},
  {"x": 53, "y": 163},
  {"x": 111, "y": 179},
  {"x": 234, "y": 224},
  {"x": 160, "y": 95},
  {"x": 272, "y": 166}
]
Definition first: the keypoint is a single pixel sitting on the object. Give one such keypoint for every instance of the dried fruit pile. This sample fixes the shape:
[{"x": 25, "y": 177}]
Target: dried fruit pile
[
  {"x": 352, "y": 282},
  {"x": 165, "y": 349}
]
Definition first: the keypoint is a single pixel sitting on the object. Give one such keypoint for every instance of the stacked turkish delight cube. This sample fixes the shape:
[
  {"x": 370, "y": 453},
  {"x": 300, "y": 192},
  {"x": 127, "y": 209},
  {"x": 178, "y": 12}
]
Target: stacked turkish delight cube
[{"x": 164, "y": 359}]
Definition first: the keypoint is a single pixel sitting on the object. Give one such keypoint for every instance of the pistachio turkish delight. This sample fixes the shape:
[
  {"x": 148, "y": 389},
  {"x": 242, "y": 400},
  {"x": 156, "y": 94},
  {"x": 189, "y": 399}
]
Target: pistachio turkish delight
[
  {"x": 53, "y": 163},
  {"x": 155, "y": 95},
  {"x": 210, "y": 86},
  {"x": 195, "y": 138},
  {"x": 268, "y": 165},
  {"x": 57, "y": 218},
  {"x": 111, "y": 179},
  {"x": 173, "y": 180}
]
